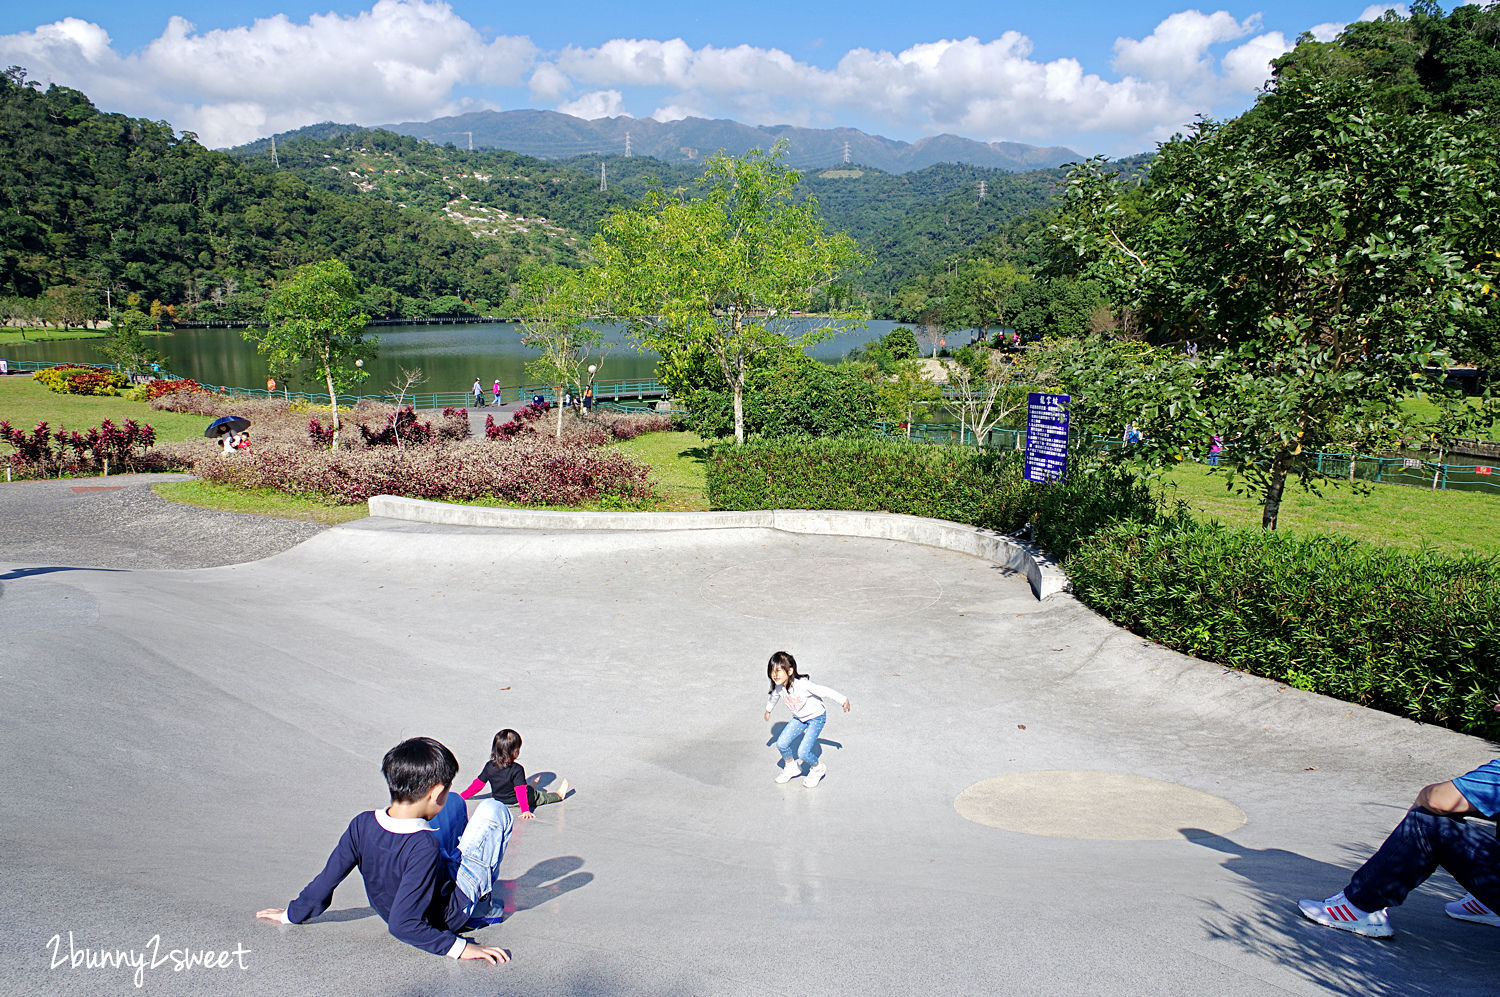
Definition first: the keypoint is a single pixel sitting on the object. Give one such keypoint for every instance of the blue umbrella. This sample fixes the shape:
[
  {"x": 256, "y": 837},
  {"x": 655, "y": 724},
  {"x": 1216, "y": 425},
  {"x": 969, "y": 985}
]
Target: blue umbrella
[{"x": 225, "y": 425}]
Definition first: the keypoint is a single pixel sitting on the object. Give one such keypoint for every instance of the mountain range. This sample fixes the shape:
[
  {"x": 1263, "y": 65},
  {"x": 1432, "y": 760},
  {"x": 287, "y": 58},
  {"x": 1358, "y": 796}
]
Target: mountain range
[{"x": 553, "y": 135}]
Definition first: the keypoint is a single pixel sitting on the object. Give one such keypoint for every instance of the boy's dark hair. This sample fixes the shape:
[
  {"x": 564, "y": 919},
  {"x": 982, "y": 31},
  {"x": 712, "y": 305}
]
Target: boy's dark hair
[
  {"x": 415, "y": 765},
  {"x": 785, "y": 660},
  {"x": 507, "y": 744}
]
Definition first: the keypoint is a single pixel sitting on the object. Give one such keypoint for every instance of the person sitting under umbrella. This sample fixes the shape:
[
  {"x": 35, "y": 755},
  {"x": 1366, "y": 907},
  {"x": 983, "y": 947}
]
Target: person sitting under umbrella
[{"x": 230, "y": 430}]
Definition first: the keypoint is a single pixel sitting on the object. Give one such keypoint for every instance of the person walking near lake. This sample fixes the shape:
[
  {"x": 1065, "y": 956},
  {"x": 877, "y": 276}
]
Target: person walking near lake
[
  {"x": 478, "y": 390},
  {"x": 497, "y": 391}
]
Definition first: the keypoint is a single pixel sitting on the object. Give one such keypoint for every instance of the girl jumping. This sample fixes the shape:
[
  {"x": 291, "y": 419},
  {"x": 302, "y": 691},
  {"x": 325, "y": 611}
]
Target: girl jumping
[
  {"x": 805, "y": 699},
  {"x": 507, "y": 778}
]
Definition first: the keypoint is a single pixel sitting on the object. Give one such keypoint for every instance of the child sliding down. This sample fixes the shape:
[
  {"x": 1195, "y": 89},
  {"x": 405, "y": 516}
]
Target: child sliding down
[
  {"x": 507, "y": 778},
  {"x": 805, "y": 699}
]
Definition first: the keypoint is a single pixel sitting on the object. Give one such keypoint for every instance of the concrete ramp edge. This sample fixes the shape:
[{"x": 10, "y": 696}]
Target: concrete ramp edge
[{"x": 1044, "y": 574}]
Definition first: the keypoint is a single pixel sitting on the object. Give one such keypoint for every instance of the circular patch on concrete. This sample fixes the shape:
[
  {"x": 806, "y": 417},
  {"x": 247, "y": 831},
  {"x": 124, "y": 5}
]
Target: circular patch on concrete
[
  {"x": 1100, "y": 806},
  {"x": 823, "y": 589}
]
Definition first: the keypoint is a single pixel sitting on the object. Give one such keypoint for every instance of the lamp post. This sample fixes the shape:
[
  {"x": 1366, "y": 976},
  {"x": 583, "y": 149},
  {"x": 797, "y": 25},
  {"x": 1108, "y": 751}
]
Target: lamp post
[{"x": 588, "y": 397}]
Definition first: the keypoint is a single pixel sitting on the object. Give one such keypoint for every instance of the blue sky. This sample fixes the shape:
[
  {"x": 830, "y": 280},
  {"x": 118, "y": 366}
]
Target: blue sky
[{"x": 1098, "y": 77}]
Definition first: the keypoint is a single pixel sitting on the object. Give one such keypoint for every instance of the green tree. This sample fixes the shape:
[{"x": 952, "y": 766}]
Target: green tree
[
  {"x": 983, "y": 294},
  {"x": 908, "y": 392},
  {"x": 1323, "y": 251},
  {"x": 126, "y": 348},
  {"x": 313, "y": 324},
  {"x": 556, "y": 306},
  {"x": 723, "y": 271}
]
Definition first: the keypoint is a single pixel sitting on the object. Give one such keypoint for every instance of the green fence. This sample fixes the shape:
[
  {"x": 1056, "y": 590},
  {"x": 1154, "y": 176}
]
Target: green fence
[{"x": 1476, "y": 476}]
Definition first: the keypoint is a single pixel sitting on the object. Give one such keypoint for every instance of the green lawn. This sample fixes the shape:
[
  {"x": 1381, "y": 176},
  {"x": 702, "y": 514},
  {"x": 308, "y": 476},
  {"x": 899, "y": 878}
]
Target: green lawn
[
  {"x": 1395, "y": 515},
  {"x": 258, "y": 501},
  {"x": 678, "y": 462},
  {"x": 24, "y": 403},
  {"x": 14, "y": 336}
]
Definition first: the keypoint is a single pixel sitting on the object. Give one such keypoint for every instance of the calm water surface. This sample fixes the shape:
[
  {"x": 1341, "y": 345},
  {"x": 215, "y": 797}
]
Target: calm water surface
[{"x": 450, "y": 356}]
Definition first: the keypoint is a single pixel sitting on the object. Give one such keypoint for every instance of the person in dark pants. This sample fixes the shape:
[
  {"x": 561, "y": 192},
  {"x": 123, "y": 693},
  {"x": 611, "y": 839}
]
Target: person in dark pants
[{"x": 1435, "y": 832}]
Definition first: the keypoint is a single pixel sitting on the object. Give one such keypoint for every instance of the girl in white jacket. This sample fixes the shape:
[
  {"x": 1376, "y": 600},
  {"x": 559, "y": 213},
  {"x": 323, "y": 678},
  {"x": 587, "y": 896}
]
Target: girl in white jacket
[{"x": 805, "y": 699}]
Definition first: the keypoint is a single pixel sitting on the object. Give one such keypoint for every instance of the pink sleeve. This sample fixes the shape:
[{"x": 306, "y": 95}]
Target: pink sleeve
[
  {"x": 523, "y": 798},
  {"x": 474, "y": 787}
]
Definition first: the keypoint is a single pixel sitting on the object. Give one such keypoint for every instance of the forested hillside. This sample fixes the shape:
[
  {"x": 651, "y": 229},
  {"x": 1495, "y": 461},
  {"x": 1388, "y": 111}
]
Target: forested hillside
[{"x": 109, "y": 206}]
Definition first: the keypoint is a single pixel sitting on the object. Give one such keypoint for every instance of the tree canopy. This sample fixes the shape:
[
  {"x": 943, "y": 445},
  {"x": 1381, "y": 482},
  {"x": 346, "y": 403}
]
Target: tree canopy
[
  {"x": 723, "y": 272},
  {"x": 1326, "y": 253}
]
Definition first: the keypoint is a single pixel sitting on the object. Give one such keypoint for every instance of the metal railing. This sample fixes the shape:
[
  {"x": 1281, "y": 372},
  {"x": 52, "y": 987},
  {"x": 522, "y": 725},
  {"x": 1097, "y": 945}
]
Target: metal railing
[{"x": 1477, "y": 476}]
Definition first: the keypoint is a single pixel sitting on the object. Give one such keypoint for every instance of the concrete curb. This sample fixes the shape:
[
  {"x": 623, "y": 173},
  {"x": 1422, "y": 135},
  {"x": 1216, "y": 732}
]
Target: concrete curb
[{"x": 1044, "y": 574}]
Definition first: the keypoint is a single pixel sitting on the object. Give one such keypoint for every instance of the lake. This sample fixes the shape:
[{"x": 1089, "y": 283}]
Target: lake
[{"x": 450, "y": 356}]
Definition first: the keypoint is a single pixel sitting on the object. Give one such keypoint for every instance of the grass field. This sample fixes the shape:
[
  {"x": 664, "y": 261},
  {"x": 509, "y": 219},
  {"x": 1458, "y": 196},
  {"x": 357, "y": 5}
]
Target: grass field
[
  {"x": 258, "y": 501},
  {"x": 1396, "y": 515},
  {"x": 677, "y": 461},
  {"x": 15, "y": 336},
  {"x": 24, "y": 403}
]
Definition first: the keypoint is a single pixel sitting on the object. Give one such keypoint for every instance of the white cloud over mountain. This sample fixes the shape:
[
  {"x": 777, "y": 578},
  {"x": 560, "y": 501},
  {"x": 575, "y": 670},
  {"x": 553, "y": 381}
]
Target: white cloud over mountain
[{"x": 417, "y": 59}]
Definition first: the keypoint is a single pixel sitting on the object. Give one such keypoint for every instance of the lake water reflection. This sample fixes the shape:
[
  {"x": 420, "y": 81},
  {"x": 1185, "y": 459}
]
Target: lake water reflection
[{"x": 450, "y": 356}]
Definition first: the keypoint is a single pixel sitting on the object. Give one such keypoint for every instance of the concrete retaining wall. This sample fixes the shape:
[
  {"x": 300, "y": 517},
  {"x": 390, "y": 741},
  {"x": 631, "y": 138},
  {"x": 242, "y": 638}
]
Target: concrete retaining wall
[{"x": 1045, "y": 576}]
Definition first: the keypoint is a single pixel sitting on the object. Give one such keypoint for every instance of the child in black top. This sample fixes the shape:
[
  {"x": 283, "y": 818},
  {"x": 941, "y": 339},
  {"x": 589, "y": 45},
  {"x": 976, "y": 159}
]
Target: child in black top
[{"x": 507, "y": 778}]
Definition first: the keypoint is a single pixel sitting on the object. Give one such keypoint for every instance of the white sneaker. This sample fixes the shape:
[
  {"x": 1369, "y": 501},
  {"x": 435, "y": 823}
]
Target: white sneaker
[
  {"x": 815, "y": 775},
  {"x": 788, "y": 773},
  {"x": 1469, "y": 909},
  {"x": 1336, "y": 912}
]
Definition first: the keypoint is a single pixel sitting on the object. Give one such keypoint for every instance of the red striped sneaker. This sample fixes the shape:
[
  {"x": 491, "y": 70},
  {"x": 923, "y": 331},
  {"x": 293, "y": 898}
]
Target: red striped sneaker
[
  {"x": 1336, "y": 912},
  {"x": 1469, "y": 909}
]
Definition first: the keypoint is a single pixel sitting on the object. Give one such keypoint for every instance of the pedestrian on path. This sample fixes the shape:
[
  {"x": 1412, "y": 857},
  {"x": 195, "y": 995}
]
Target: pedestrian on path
[
  {"x": 478, "y": 390},
  {"x": 497, "y": 391},
  {"x": 805, "y": 699}
]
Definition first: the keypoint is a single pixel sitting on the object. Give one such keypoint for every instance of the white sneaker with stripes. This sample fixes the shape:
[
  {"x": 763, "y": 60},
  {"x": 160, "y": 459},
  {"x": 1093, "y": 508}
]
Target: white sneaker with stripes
[
  {"x": 1336, "y": 912},
  {"x": 1469, "y": 909}
]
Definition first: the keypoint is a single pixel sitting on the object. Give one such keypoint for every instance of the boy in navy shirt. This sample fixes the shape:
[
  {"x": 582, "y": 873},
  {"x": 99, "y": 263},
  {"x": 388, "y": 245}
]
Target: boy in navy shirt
[{"x": 424, "y": 896}]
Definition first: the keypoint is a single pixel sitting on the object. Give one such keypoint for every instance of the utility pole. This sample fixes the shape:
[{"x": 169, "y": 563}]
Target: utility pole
[
  {"x": 275, "y": 165},
  {"x": 603, "y": 179}
]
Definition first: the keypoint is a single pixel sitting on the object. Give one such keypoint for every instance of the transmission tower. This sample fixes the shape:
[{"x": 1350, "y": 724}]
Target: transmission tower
[
  {"x": 846, "y": 152},
  {"x": 981, "y": 190},
  {"x": 627, "y": 145},
  {"x": 603, "y": 180},
  {"x": 275, "y": 164}
]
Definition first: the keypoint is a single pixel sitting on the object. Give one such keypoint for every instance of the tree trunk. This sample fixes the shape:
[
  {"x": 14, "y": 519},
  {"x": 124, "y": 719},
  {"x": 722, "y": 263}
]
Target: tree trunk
[
  {"x": 333, "y": 399},
  {"x": 739, "y": 409},
  {"x": 557, "y": 397},
  {"x": 1275, "y": 486}
]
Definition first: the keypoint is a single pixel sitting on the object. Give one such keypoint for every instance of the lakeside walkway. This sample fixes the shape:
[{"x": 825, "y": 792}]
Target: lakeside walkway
[{"x": 1023, "y": 800}]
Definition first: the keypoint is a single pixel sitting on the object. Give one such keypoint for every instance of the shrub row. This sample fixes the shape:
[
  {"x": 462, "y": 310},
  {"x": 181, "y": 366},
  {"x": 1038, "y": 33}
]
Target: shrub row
[
  {"x": 534, "y": 472},
  {"x": 45, "y": 452},
  {"x": 81, "y": 380},
  {"x": 1416, "y": 634},
  {"x": 962, "y": 484}
]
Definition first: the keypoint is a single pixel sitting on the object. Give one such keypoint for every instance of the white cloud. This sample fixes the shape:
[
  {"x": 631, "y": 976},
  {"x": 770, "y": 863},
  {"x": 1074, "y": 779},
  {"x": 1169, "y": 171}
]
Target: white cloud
[
  {"x": 1328, "y": 31},
  {"x": 1375, "y": 11},
  {"x": 1248, "y": 67},
  {"x": 399, "y": 59},
  {"x": 1178, "y": 49},
  {"x": 596, "y": 104},
  {"x": 413, "y": 59}
]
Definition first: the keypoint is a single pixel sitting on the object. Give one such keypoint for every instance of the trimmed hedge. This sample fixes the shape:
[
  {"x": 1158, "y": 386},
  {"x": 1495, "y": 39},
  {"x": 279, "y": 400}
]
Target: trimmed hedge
[
  {"x": 1416, "y": 634},
  {"x": 961, "y": 484}
]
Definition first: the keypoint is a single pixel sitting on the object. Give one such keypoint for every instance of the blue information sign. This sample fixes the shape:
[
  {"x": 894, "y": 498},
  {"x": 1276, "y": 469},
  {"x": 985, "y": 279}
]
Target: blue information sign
[{"x": 1046, "y": 436}]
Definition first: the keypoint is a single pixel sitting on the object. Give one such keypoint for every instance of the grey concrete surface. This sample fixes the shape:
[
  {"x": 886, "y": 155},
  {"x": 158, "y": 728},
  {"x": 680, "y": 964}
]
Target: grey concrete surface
[
  {"x": 184, "y": 747},
  {"x": 1045, "y": 576},
  {"x": 118, "y": 522}
]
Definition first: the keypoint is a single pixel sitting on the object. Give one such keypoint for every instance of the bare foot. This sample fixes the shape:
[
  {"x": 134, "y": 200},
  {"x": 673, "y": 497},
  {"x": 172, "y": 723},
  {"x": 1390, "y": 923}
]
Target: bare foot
[{"x": 562, "y": 789}]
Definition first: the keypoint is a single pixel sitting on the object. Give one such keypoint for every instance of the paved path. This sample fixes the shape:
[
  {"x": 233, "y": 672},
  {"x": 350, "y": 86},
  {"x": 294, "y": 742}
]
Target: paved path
[{"x": 183, "y": 747}]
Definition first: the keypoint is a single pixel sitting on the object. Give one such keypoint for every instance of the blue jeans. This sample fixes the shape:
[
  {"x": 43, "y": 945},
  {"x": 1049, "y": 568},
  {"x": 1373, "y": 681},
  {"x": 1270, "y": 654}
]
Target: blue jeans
[
  {"x": 794, "y": 728},
  {"x": 1414, "y": 850},
  {"x": 480, "y": 849}
]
